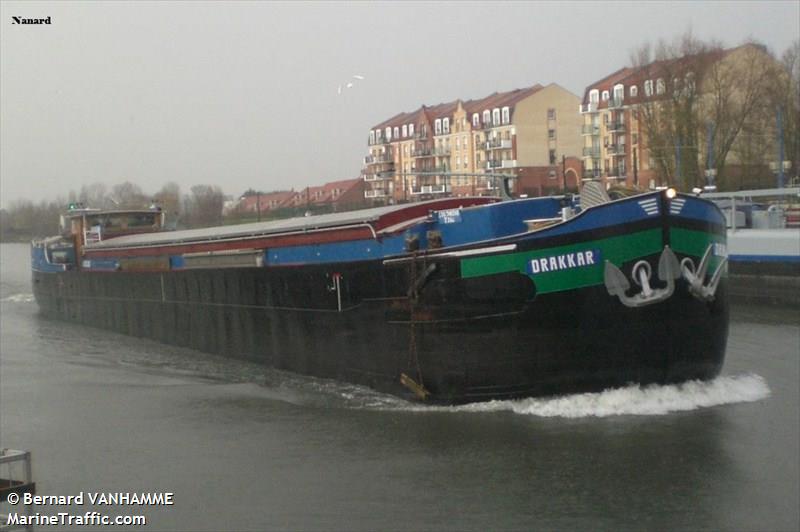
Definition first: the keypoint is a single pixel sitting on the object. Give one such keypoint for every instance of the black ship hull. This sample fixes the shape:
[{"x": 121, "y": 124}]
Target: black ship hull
[{"x": 463, "y": 340}]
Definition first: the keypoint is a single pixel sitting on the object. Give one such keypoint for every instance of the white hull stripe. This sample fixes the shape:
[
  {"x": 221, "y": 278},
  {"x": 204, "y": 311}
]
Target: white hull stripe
[
  {"x": 676, "y": 206},
  {"x": 649, "y": 206}
]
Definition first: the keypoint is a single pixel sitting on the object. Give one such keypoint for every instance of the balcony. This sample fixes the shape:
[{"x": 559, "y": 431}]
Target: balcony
[
  {"x": 378, "y": 193},
  {"x": 378, "y": 159},
  {"x": 591, "y": 129},
  {"x": 615, "y": 103},
  {"x": 591, "y": 151},
  {"x": 442, "y": 151},
  {"x": 425, "y": 152},
  {"x": 616, "y": 126},
  {"x": 430, "y": 189},
  {"x": 378, "y": 176},
  {"x": 615, "y": 150},
  {"x": 592, "y": 173},
  {"x": 498, "y": 163},
  {"x": 498, "y": 144},
  {"x": 590, "y": 107}
]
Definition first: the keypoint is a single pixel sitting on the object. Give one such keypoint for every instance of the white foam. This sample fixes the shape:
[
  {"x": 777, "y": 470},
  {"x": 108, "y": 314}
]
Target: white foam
[
  {"x": 632, "y": 400},
  {"x": 19, "y": 298}
]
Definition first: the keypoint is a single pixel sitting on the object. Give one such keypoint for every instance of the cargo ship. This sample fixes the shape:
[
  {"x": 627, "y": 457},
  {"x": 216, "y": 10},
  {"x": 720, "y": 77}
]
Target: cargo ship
[{"x": 446, "y": 301}]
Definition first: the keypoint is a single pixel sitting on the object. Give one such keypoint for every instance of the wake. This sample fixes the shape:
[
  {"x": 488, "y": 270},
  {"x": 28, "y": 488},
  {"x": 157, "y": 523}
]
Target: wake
[{"x": 633, "y": 400}]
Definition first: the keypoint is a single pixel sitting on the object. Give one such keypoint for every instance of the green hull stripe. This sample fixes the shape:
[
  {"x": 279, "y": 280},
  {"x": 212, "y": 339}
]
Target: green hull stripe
[
  {"x": 615, "y": 249},
  {"x": 695, "y": 243}
]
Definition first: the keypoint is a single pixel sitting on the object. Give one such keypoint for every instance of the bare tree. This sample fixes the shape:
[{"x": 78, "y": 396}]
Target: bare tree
[
  {"x": 129, "y": 195},
  {"x": 94, "y": 195},
  {"x": 670, "y": 114},
  {"x": 735, "y": 95},
  {"x": 169, "y": 199},
  {"x": 203, "y": 207},
  {"x": 693, "y": 88}
]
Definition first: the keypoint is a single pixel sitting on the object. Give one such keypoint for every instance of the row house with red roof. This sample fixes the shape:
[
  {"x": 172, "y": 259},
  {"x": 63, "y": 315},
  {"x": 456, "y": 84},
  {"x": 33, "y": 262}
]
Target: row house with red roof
[
  {"x": 465, "y": 147},
  {"x": 336, "y": 194}
]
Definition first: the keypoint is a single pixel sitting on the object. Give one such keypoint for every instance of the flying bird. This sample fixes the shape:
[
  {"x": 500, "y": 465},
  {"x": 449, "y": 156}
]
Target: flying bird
[{"x": 349, "y": 84}]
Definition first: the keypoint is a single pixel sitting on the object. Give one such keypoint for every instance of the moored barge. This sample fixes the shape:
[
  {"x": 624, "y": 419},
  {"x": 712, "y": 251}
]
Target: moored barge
[{"x": 451, "y": 300}]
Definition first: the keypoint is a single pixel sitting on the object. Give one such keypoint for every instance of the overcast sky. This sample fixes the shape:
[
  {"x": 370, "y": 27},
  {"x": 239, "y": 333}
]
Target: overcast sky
[{"x": 245, "y": 94}]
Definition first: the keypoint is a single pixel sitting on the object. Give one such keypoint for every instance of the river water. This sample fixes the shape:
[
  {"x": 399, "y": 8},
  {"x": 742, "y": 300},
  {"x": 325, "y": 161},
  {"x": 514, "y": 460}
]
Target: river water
[{"x": 243, "y": 447}]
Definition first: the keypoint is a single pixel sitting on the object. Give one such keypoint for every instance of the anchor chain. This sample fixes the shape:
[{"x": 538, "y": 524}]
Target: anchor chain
[{"x": 413, "y": 357}]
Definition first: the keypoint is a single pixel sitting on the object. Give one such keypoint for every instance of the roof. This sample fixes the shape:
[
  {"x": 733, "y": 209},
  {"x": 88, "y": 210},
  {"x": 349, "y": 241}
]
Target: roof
[
  {"x": 628, "y": 76},
  {"x": 446, "y": 109},
  {"x": 290, "y": 225},
  {"x": 74, "y": 213}
]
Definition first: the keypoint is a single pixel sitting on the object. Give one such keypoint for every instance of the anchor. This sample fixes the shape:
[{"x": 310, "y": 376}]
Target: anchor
[
  {"x": 669, "y": 269},
  {"x": 696, "y": 276}
]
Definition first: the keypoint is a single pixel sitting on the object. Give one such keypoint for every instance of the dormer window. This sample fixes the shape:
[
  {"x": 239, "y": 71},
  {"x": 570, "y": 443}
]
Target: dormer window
[
  {"x": 604, "y": 97},
  {"x": 648, "y": 87},
  {"x": 487, "y": 117},
  {"x": 446, "y": 125},
  {"x": 506, "y": 115},
  {"x": 405, "y": 130},
  {"x": 594, "y": 96},
  {"x": 396, "y": 132},
  {"x": 437, "y": 127},
  {"x": 633, "y": 91},
  {"x": 410, "y": 130},
  {"x": 619, "y": 92},
  {"x": 388, "y": 134},
  {"x": 476, "y": 120},
  {"x": 660, "y": 86},
  {"x": 372, "y": 137},
  {"x": 496, "y": 116}
]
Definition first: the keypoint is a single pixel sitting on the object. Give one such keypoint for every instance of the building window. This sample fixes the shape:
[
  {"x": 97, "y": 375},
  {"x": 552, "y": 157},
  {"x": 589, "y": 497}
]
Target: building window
[
  {"x": 446, "y": 125},
  {"x": 388, "y": 134},
  {"x": 594, "y": 95},
  {"x": 486, "y": 117},
  {"x": 551, "y": 114},
  {"x": 619, "y": 92},
  {"x": 633, "y": 91},
  {"x": 660, "y": 87},
  {"x": 605, "y": 96},
  {"x": 411, "y": 130},
  {"x": 437, "y": 127},
  {"x": 634, "y": 138},
  {"x": 551, "y": 134},
  {"x": 372, "y": 137},
  {"x": 506, "y": 115},
  {"x": 648, "y": 87},
  {"x": 496, "y": 117},
  {"x": 476, "y": 120},
  {"x": 552, "y": 156},
  {"x": 405, "y": 130},
  {"x": 396, "y": 132}
]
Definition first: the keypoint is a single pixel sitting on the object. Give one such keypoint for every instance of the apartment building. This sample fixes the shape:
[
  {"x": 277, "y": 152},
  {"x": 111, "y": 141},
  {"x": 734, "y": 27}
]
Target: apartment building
[
  {"x": 462, "y": 147},
  {"x": 617, "y": 146}
]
